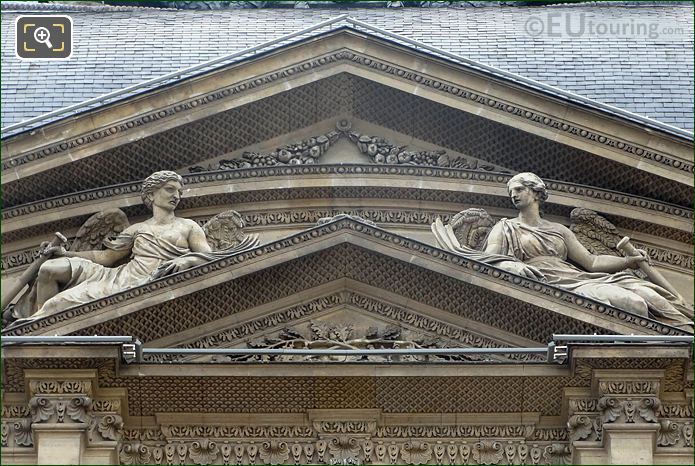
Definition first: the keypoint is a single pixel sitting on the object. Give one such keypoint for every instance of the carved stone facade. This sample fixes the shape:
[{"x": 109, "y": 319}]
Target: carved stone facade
[{"x": 338, "y": 153}]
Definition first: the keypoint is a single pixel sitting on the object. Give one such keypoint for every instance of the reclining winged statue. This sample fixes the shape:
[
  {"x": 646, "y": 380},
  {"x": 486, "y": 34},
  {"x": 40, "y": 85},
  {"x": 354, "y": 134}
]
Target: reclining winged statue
[
  {"x": 109, "y": 255},
  {"x": 577, "y": 259}
]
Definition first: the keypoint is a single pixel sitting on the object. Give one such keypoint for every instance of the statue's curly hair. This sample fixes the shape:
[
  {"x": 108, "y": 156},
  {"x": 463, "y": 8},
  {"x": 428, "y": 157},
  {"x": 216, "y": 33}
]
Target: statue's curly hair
[
  {"x": 155, "y": 181},
  {"x": 533, "y": 181}
]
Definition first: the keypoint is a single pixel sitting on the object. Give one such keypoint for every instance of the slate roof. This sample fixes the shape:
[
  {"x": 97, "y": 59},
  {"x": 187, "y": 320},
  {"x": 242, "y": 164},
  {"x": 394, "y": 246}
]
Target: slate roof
[{"x": 648, "y": 74}]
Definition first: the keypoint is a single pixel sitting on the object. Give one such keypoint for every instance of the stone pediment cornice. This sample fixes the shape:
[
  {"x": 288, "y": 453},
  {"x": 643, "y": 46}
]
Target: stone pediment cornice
[
  {"x": 676, "y": 260},
  {"x": 588, "y": 129},
  {"x": 457, "y": 276},
  {"x": 361, "y": 307},
  {"x": 294, "y": 176}
]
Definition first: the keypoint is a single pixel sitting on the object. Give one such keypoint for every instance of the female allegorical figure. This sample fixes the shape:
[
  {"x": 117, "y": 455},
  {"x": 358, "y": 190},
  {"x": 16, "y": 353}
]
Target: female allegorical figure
[
  {"x": 160, "y": 245},
  {"x": 542, "y": 250}
]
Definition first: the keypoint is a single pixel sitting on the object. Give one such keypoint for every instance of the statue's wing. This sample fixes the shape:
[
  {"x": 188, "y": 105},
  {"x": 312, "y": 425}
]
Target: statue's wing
[
  {"x": 99, "y": 227},
  {"x": 472, "y": 227},
  {"x": 225, "y": 232},
  {"x": 598, "y": 235}
]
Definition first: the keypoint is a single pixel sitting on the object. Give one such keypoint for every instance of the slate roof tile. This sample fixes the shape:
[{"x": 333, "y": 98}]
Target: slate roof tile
[{"x": 118, "y": 47}]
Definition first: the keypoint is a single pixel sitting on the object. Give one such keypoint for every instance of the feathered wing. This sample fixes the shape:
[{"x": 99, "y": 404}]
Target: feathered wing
[
  {"x": 472, "y": 227},
  {"x": 99, "y": 227},
  {"x": 225, "y": 232},
  {"x": 597, "y": 235},
  {"x": 466, "y": 233}
]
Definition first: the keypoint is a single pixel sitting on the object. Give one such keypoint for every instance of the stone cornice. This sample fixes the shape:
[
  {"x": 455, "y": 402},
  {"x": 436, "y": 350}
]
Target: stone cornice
[
  {"x": 600, "y": 200},
  {"x": 682, "y": 169},
  {"x": 230, "y": 337},
  {"x": 675, "y": 260},
  {"x": 579, "y": 304}
]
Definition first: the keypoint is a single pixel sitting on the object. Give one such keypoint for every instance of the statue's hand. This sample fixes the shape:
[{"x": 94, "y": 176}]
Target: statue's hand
[
  {"x": 177, "y": 265},
  {"x": 49, "y": 251},
  {"x": 633, "y": 262},
  {"x": 519, "y": 268}
]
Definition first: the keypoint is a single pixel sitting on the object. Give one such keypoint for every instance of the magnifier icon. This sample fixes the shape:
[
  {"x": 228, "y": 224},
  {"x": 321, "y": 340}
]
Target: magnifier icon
[{"x": 42, "y": 36}]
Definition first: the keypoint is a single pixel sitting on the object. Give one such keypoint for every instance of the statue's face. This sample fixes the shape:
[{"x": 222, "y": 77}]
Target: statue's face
[
  {"x": 167, "y": 196},
  {"x": 521, "y": 195}
]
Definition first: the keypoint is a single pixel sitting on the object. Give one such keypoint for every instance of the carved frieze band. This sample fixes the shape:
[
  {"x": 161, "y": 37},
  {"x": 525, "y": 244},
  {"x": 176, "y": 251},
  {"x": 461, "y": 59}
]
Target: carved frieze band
[
  {"x": 376, "y": 235},
  {"x": 346, "y": 442},
  {"x": 506, "y": 108},
  {"x": 300, "y": 171},
  {"x": 347, "y": 450},
  {"x": 395, "y": 313},
  {"x": 660, "y": 256}
]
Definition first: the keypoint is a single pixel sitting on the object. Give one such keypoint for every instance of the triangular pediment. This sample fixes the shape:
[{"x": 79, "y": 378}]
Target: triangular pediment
[
  {"x": 344, "y": 320},
  {"x": 343, "y": 255}
]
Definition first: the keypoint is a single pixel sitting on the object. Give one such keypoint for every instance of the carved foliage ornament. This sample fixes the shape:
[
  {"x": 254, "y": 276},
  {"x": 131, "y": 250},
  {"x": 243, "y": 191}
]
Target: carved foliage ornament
[
  {"x": 331, "y": 335},
  {"x": 306, "y": 152},
  {"x": 379, "y": 150},
  {"x": 45, "y": 408},
  {"x": 347, "y": 450}
]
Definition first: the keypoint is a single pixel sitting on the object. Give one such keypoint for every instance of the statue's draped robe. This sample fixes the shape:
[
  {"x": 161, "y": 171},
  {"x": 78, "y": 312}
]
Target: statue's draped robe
[
  {"x": 546, "y": 250},
  {"x": 90, "y": 281}
]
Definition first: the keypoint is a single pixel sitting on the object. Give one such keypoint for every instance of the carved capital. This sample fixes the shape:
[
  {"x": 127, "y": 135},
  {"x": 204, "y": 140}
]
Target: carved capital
[
  {"x": 58, "y": 408},
  {"x": 629, "y": 410},
  {"x": 274, "y": 452},
  {"x": 580, "y": 427},
  {"x": 106, "y": 427}
]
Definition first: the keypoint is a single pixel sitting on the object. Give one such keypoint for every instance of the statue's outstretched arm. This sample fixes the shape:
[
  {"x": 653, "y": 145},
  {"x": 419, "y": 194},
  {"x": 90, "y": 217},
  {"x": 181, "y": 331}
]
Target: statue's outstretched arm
[
  {"x": 597, "y": 263},
  {"x": 197, "y": 241},
  {"x": 106, "y": 258}
]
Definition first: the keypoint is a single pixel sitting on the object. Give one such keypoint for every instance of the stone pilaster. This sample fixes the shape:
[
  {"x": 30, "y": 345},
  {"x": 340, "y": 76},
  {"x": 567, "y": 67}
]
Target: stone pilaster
[
  {"x": 617, "y": 421},
  {"x": 68, "y": 423}
]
